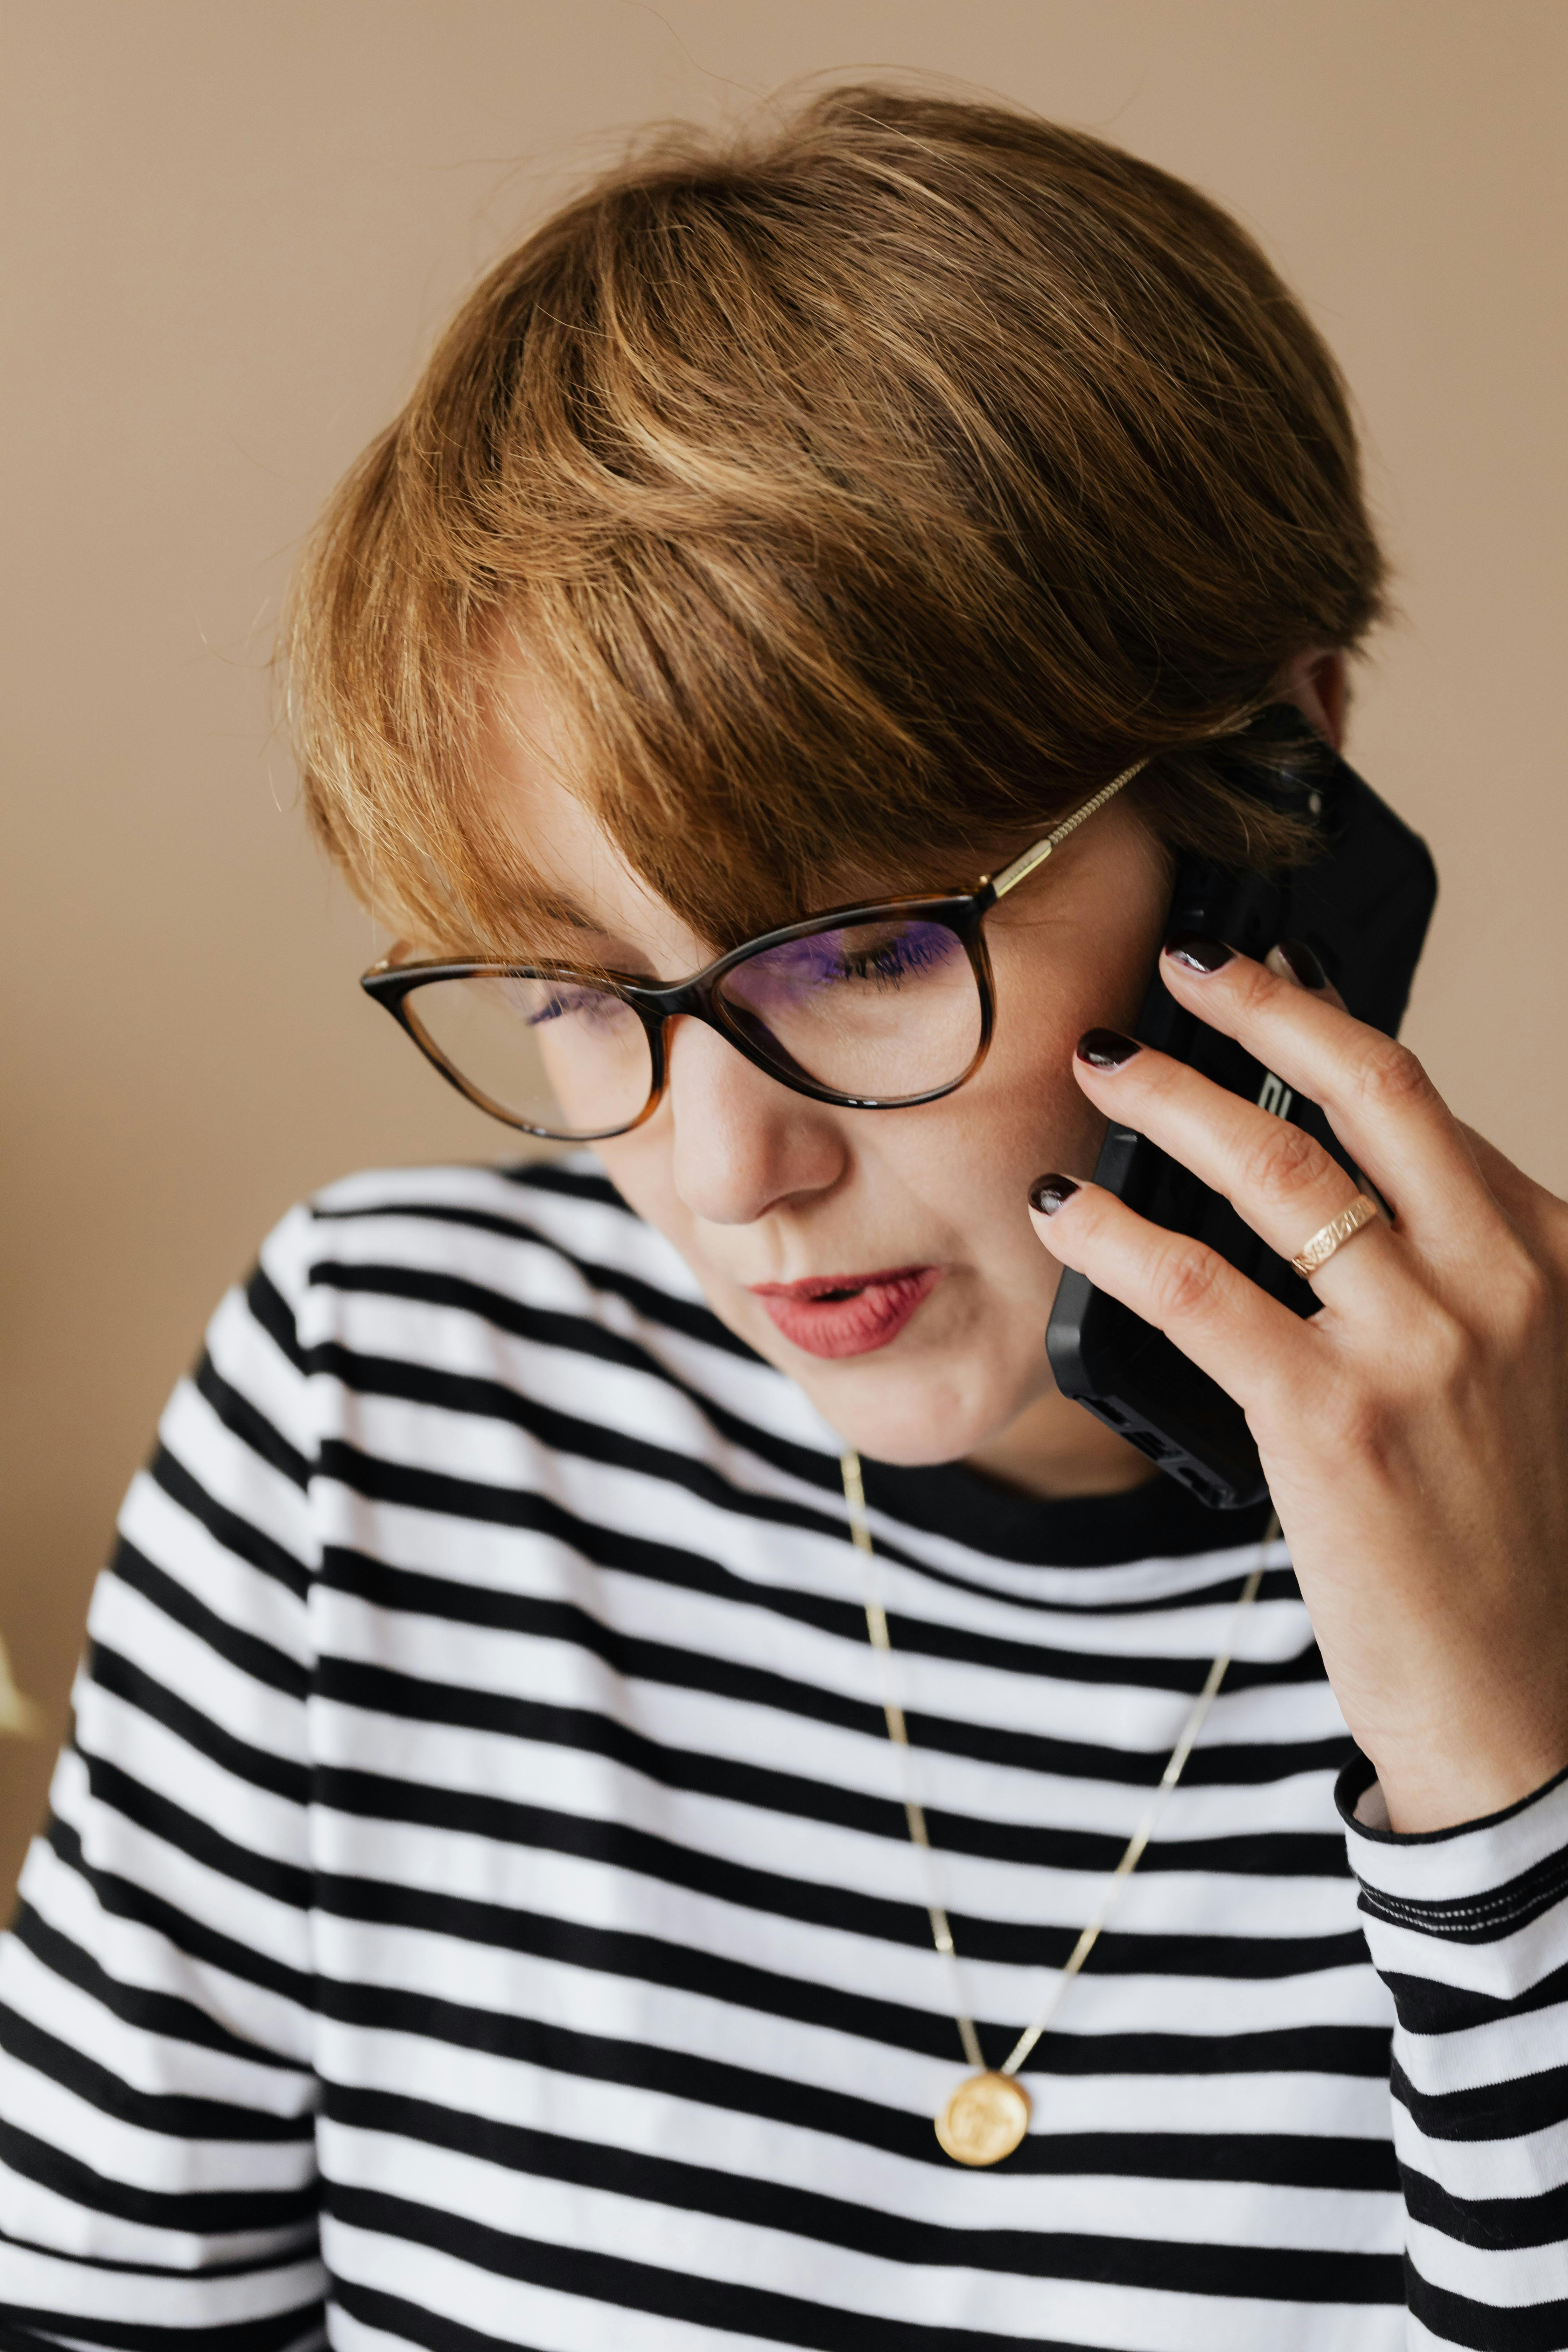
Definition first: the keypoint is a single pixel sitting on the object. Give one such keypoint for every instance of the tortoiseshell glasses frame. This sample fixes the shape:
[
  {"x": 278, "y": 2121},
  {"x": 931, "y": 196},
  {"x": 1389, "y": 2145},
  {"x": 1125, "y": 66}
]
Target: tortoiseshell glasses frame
[{"x": 397, "y": 984}]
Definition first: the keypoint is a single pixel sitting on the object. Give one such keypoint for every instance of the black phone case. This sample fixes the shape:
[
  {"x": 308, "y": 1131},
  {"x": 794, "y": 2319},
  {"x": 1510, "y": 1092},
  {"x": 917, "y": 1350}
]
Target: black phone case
[{"x": 1363, "y": 906}]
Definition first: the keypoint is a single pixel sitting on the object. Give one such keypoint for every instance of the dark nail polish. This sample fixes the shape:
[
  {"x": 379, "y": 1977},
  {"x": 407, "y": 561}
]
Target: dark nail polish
[
  {"x": 1106, "y": 1049},
  {"x": 1047, "y": 1194},
  {"x": 1196, "y": 953},
  {"x": 1303, "y": 963}
]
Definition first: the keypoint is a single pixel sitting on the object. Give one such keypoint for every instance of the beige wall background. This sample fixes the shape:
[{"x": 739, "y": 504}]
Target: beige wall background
[{"x": 231, "y": 227}]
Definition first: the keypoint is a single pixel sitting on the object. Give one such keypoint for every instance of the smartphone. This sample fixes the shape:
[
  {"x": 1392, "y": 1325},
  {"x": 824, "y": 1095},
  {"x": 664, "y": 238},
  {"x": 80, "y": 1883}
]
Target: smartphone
[{"x": 1362, "y": 904}]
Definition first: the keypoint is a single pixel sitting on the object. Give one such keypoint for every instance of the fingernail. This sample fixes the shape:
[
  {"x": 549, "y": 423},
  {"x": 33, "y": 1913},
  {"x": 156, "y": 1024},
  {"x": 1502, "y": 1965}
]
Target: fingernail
[
  {"x": 1301, "y": 964},
  {"x": 1196, "y": 953},
  {"x": 1106, "y": 1049},
  {"x": 1047, "y": 1194}
]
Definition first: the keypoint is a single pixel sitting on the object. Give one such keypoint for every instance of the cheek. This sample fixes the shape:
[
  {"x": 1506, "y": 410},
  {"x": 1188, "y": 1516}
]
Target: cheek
[{"x": 639, "y": 1166}]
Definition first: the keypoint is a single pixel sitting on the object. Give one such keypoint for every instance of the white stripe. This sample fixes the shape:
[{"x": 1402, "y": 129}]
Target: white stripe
[
  {"x": 1504, "y": 2050},
  {"x": 692, "y": 1722},
  {"x": 688, "y": 2131},
  {"x": 39, "y": 2217},
  {"x": 597, "y": 2223},
  {"x": 240, "y": 1595},
  {"x": 1462, "y": 1866},
  {"x": 110, "y": 1841},
  {"x": 124, "y": 1619},
  {"x": 157, "y": 2063},
  {"x": 249, "y": 1358},
  {"x": 1502, "y": 2278},
  {"x": 233, "y": 1476},
  {"x": 596, "y": 2002},
  {"x": 147, "y": 2159},
  {"x": 139, "y": 1955},
  {"x": 815, "y": 1853},
  {"x": 747, "y": 1634},
  {"x": 1501, "y": 1970},
  {"x": 1531, "y": 2166},
  {"x": 157, "y": 2299}
]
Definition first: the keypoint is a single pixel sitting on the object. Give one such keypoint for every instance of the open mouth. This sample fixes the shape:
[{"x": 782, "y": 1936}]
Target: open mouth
[{"x": 847, "y": 1314}]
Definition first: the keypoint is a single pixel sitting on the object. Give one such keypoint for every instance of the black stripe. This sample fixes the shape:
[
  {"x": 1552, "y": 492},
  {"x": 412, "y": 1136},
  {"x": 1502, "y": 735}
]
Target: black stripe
[
  {"x": 1507, "y": 2110},
  {"x": 808, "y": 2215},
  {"x": 137, "y": 2007},
  {"x": 261, "y": 1660},
  {"x": 1492, "y": 2224},
  {"x": 1484, "y": 2327},
  {"x": 636, "y": 1658},
  {"x": 1303, "y": 2160},
  {"x": 1479, "y": 1918},
  {"x": 379, "y": 1690},
  {"x": 1275, "y": 2273},
  {"x": 275, "y": 1316},
  {"x": 176, "y": 2113},
  {"x": 150, "y": 1809},
  {"x": 1423, "y": 2005},
  {"x": 647, "y": 1959},
  {"x": 33, "y": 2329},
  {"x": 260, "y": 1768},
  {"x": 619, "y": 1847},
  {"x": 690, "y": 1317},
  {"x": 440, "y": 2332},
  {"x": 441, "y": 1492},
  {"x": 226, "y": 1527},
  {"x": 290, "y": 2212},
  {"x": 243, "y": 1421},
  {"x": 200, "y": 1941}
]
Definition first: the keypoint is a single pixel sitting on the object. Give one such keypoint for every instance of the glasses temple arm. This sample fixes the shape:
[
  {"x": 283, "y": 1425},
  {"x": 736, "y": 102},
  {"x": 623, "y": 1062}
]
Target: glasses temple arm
[{"x": 1025, "y": 864}]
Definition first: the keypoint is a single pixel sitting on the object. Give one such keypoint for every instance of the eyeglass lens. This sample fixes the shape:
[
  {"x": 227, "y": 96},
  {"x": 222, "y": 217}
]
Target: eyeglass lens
[
  {"x": 878, "y": 1011},
  {"x": 557, "y": 1055}
]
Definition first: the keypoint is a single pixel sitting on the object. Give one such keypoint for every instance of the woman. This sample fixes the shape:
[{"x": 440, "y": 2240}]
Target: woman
[{"x": 626, "y": 1692}]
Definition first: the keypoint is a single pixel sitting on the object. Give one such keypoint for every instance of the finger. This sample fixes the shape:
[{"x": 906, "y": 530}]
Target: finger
[
  {"x": 1294, "y": 960},
  {"x": 1375, "y": 1094},
  {"x": 1230, "y": 1329},
  {"x": 1284, "y": 1185}
]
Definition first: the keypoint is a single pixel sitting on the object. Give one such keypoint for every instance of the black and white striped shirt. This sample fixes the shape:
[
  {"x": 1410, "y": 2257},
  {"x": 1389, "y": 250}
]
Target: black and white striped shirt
[{"x": 479, "y": 1912}]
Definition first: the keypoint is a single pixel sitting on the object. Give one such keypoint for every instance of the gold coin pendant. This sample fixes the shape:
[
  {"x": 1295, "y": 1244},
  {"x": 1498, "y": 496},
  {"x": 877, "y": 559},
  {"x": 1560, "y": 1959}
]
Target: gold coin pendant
[{"x": 985, "y": 2120}]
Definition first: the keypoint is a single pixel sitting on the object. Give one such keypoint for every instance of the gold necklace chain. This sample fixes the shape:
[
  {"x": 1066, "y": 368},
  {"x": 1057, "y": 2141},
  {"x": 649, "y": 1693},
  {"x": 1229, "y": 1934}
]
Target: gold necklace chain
[{"x": 988, "y": 2113}]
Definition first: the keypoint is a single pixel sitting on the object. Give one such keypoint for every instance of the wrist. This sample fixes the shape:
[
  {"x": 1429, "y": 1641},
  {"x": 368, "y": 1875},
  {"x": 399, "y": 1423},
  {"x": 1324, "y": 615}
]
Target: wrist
[{"x": 1429, "y": 1788}]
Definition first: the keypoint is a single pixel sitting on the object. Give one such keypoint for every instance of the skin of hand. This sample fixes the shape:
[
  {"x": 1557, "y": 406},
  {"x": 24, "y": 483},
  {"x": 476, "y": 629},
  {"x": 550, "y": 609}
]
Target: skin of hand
[{"x": 1415, "y": 1431}]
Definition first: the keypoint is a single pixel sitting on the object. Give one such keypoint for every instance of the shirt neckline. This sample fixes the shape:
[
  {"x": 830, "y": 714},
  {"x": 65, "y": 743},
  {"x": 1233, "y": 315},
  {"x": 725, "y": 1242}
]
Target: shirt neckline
[{"x": 1159, "y": 1519}]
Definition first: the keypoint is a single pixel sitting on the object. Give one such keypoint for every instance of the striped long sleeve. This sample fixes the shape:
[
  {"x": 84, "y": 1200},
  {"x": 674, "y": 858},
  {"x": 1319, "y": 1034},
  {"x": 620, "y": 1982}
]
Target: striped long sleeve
[
  {"x": 157, "y": 2094},
  {"x": 1468, "y": 1928},
  {"x": 479, "y": 1911}
]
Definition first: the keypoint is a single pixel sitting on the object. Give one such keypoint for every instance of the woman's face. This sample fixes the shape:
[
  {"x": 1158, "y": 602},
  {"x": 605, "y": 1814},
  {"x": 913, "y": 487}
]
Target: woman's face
[{"x": 759, "y": 1188}]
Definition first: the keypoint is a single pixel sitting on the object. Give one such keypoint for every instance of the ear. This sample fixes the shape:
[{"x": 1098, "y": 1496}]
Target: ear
[{"x": 1318, "y": 683}]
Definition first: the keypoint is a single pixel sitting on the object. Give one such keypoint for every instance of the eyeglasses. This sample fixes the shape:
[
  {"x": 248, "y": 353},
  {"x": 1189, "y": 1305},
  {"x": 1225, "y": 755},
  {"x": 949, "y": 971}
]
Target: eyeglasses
[{"x": 872, "y": 1007}]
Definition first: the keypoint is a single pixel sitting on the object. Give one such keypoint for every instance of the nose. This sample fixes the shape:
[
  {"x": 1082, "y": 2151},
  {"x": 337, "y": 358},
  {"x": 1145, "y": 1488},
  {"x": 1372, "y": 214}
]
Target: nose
[{"x": 742, "y": 1143}]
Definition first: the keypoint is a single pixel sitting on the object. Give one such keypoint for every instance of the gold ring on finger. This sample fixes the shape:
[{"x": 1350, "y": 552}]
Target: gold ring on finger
[{"x": 1335, "y": 1235}]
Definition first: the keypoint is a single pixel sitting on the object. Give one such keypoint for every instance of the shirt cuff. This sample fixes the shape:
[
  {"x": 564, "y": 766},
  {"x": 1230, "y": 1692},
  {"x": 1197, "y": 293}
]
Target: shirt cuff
[{"x": 1474, "y": 1884}]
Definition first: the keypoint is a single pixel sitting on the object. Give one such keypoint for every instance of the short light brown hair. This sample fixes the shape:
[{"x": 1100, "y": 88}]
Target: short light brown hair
[{"x": 864, "y": 489}]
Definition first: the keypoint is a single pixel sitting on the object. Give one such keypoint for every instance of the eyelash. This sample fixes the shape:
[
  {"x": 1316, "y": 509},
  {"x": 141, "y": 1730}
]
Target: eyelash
[{"x": 892, "y": 961}]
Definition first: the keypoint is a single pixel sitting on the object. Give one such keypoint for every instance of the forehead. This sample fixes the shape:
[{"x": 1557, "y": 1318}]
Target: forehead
[
  {"x": 584, "y": 897},
  {"x": 538, "y": 802}
]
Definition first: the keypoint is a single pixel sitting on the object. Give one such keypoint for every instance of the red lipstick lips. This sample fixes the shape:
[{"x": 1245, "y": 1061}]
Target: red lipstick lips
[{"x": 847, "y": 1314}]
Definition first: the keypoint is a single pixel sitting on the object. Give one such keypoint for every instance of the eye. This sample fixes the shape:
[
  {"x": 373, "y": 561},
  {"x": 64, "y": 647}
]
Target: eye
[
  {"x": 594, "y": 1006},
  {"x": 885, "y": 962}
]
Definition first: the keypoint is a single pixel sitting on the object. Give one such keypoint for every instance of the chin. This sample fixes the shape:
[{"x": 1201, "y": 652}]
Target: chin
[{"x": 894, "y": 1415}]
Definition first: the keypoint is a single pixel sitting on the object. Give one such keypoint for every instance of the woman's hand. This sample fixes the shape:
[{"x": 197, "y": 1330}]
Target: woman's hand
[{"x": 1414, "y": 1434}]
